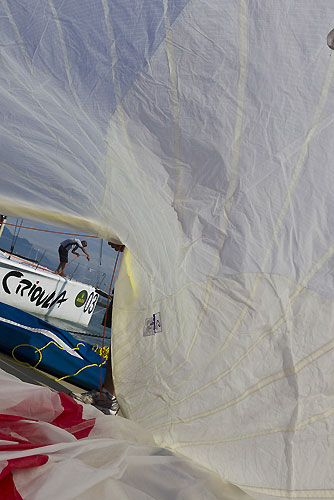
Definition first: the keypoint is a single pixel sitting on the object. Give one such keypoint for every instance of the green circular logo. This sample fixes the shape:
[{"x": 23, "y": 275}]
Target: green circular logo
[{"x": 81, "y": 298}]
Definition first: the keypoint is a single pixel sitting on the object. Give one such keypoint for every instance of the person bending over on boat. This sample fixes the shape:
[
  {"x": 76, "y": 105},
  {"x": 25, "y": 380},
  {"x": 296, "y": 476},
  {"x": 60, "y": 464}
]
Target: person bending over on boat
[{"x": 64, "y": 249}]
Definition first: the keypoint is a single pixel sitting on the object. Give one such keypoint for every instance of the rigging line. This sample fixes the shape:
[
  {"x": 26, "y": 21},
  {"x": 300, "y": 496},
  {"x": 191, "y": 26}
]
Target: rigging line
[
  {"x": 97, "y": 283},
  {"x": 101, "y": 245},
  {"x": 16, "y": 234},
  {"x": 56, "y": 232},
  {"x": 71, "y": 261},
  {"x": 105, "y": 323}
]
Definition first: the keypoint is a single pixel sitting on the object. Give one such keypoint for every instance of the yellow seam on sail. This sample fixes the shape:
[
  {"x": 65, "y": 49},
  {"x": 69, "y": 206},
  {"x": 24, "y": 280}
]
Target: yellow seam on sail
[
  {"x": 243, "y": 22},
  {"x": 33, "y": 148},
  {"x": 284, "y": 209},
  {"x": 279, "y": 222},
  {"x": 175, "y": 113},
  {"x": 294, "y": 370},
  {"x": 174, "y": 101},
  {"x": 35, "y": 179},
  {"x": 30, "y": 66},
  {"x": 173, "y": 94},
  {"x": 50, "y": 95},
  {"x": 295, "y": 176},
  {"x": 27, "y": 59},
  {"x": 296, "y": 428},
  {"x": 7, "y": 205},
  {"x": 301, "y": 159},
  {"x": 127, "y": 261},
  {"x": 120, "y": 113},
  {"x": 226, "y": 372},
  {"x": 21, "y": 43},
  {"x": 108, "y": 171},
  {"x": 29, "y": 177},
  {"x": 41, "y": 122},
  {"x": 329, "y": 493},
  {"x": 235, "y": 160},
  {"x": 276, "y": 325},
  {"x": 67, "y": 67},
  {"x": 298, "y": 290},
  {"x": 48, "y": 159}
]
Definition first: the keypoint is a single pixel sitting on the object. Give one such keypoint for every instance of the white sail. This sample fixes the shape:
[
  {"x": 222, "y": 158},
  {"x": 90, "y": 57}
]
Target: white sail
[{"x": 201, "y": 136}]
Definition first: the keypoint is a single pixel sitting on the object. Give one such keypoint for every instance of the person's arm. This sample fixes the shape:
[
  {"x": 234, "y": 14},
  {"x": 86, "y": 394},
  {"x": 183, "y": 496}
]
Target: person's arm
[
  {"x": 74, "y": 250},
  {"x": 84, "y": 251}
]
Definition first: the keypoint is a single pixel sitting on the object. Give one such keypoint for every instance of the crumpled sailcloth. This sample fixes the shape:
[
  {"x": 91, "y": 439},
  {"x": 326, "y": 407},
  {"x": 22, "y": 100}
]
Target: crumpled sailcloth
[
  {"x": 200, "y": 135},
  {"x": 54, "y": 447}
]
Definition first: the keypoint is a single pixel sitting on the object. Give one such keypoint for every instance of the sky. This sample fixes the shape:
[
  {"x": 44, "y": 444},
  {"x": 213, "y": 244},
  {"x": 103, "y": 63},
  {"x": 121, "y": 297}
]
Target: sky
[{"x": 96, "y": 271}]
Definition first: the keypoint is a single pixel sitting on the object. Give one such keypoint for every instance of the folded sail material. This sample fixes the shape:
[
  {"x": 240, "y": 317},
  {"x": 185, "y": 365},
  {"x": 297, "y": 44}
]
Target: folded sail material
[
  {"x": 52, "y": 447},
  {"x": 32, "y": 342},
  {"x": 201, "y": 136}
]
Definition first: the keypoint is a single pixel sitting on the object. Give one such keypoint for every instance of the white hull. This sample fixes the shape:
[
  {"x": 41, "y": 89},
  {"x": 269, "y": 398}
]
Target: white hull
[{"x": 40, "y": 291}]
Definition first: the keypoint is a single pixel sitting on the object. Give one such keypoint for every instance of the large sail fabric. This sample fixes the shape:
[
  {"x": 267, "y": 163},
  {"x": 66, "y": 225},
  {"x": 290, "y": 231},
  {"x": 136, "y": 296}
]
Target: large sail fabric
[
  {"x": 65, "y": 68},
  {"x": 236, "y": 107},
  {"x": 200, "y": 135}
]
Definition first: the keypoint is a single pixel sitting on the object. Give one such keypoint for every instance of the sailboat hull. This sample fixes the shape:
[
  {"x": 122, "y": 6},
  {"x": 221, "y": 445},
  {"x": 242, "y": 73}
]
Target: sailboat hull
[{"x": 44, "y": 293}]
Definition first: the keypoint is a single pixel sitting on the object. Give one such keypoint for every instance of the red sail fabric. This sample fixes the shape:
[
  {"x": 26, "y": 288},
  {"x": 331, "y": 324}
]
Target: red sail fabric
[
  {"x": 7, "y": 484},
  {"x": 52, "y": 446},
  {"x": 16, "y": 434}
]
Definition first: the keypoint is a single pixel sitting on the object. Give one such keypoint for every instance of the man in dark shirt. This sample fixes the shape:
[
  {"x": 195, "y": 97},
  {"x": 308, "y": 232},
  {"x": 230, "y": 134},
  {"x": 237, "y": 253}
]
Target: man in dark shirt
[{"x": 63, "y": 250}]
